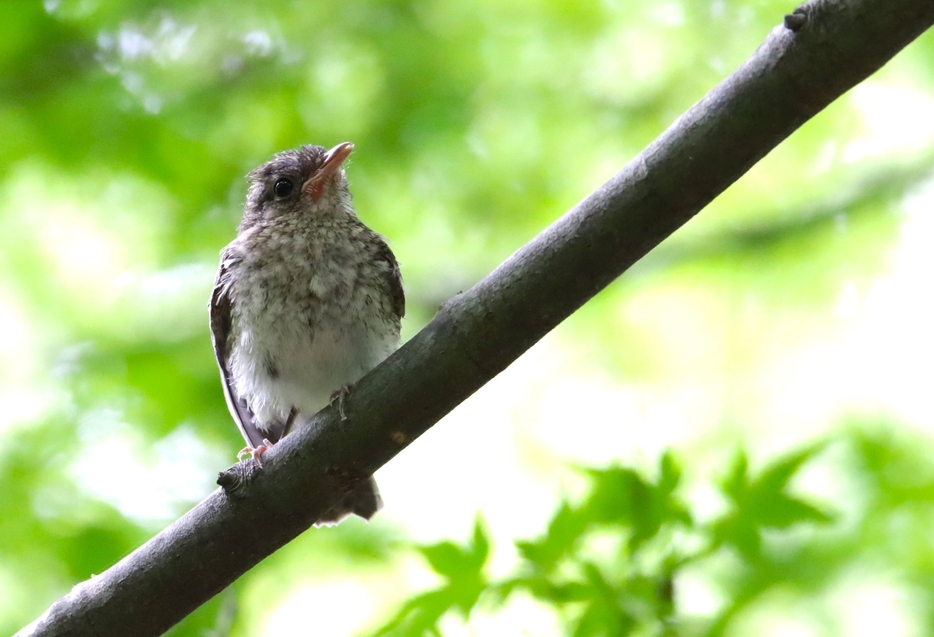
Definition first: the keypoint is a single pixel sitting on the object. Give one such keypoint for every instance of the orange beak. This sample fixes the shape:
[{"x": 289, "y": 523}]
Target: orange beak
[{"x": 333, "y": 160}]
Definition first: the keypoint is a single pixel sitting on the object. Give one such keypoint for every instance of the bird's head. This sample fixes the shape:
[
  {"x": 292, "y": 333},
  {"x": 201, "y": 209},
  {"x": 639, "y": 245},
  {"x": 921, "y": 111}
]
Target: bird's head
[{"x": 309, "y": 180}]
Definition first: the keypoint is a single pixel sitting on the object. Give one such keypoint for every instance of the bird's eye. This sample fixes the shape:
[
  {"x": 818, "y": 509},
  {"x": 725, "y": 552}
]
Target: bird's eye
[{"x": 283, "y": 188}]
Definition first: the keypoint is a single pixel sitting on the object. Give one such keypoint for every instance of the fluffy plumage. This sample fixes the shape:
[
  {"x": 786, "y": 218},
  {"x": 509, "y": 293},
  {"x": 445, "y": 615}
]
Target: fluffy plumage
[{"x": 307, "y": 300}]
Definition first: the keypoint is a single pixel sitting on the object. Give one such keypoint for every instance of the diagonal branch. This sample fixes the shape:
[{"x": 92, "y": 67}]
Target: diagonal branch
[{"x": 823, "y": 49}]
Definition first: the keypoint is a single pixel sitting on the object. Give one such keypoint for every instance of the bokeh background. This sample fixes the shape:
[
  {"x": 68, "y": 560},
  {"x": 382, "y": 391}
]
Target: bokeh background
[{"x": 786, "y": 333}]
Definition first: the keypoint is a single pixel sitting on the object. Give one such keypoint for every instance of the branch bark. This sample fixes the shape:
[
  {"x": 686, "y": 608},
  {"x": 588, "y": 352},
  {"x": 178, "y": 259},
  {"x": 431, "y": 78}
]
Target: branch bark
[{"x": 825, "y": 48}]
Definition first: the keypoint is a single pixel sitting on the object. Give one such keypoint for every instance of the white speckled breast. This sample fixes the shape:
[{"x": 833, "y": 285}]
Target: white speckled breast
[{"x": 295, "y": 344}]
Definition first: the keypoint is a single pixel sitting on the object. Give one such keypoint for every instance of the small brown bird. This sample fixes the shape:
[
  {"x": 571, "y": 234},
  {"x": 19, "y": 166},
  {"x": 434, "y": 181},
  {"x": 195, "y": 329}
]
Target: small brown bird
[{"x": 307, "y": 300}]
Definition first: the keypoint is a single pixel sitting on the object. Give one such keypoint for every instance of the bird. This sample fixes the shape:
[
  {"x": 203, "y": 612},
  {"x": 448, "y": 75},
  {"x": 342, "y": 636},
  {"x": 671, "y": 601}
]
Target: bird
[{"x": 307, "y": 299}]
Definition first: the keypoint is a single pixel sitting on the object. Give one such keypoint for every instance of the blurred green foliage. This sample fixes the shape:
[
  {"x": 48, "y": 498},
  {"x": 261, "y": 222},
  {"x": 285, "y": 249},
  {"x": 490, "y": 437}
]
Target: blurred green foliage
[
  {"x": 126, "y": 127},
  {"x": 613, "y": 563}
]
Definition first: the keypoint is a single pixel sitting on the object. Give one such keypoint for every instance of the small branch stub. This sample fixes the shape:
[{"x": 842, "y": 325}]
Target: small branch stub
[
  {"x": 235, "y": 480},
  {"x": 794, "y": 21}
]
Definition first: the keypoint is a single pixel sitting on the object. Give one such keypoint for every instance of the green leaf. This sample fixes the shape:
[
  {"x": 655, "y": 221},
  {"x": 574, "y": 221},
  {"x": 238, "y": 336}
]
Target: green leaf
[
  {"x": 623, "y": 497},
  {"x": 762, "y": 502},
  {"x": 418, "y": 616},
  {"x": 447, "y": 559},
  {"x": 565, "y": 529},
  {"x": 481, "y": 544},
  {"x": 736, "y": 483},
  {"x": 604, "y": 616},
  {"x": 598, "y": 620},
  {"x": 669, "y": 473},
  {"x": 454, "y": 561},
  {"x": 776, "y": 476},
  {"x": 740, "y": 531},
  {"x": 785, "y": 511},
  {"x": 616, "y": 492}
]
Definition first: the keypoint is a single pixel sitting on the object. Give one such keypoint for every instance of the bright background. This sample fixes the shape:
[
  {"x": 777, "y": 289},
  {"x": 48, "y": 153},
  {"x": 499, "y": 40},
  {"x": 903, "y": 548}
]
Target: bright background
[{"x": 798, "y": 307}]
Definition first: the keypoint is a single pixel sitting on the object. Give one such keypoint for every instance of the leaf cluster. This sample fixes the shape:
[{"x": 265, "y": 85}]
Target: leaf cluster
[{"x": 609, "y": 563}]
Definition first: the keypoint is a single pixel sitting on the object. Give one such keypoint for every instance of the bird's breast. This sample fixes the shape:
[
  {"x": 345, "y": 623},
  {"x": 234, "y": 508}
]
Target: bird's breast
[{"x": 306, "y": 320}]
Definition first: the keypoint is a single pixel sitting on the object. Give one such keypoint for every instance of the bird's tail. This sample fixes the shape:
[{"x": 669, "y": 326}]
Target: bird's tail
[{"x": 363, "y": 501}]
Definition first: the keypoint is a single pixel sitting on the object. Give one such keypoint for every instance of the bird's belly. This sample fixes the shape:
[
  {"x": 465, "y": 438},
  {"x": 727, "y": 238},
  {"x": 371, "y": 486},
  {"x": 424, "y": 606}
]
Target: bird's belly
[
  {"x": 310, "y": 372},
  {"x": 303, "y": 371}
]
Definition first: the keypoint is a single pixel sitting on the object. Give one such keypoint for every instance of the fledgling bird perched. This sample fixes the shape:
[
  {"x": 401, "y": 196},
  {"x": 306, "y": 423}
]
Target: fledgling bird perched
[{"x": 307, "y": 300}]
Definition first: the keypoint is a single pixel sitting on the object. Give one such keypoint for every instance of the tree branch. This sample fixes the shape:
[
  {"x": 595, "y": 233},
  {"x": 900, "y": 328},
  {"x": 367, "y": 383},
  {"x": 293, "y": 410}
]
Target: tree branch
[{"x": 824, "y": 49}]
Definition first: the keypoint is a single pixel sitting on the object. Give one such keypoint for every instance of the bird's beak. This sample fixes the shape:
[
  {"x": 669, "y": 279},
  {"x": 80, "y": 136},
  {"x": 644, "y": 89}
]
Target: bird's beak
[{"x": 333, "y": 160}]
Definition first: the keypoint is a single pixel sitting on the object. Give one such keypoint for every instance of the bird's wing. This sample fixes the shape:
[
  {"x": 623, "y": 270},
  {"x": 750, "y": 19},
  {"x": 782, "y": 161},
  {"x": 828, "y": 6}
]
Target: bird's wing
[
  {"x": 219, "y": 311},
  {"x": 393, "y": 278}
]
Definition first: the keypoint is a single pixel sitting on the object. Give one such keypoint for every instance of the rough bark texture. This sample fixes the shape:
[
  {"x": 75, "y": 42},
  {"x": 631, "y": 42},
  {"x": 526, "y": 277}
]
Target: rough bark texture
[{"x": 806, "y": 62}]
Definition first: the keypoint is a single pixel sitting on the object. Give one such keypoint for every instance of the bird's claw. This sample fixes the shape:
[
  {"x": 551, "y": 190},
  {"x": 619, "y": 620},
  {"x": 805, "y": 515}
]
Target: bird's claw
[
  {"x": 255, "y": 452},
  {"x": 339, "y": 395}
]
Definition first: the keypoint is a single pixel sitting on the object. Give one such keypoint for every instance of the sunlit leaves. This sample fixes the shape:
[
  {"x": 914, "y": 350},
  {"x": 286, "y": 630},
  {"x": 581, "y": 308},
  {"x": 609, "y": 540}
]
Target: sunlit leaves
[
  {"x": 462, "y": 567},
  {"x": 620, "y": 497},
  {"x": 764, "y": 501},
  {"x": 566, "y": 527},
  {"x": 631, "y": 587}
]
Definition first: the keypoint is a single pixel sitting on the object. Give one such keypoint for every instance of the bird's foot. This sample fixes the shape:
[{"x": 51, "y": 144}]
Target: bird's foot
[
  {"x": 255, "y": 452},
  {"x": 339, "y": 396}
]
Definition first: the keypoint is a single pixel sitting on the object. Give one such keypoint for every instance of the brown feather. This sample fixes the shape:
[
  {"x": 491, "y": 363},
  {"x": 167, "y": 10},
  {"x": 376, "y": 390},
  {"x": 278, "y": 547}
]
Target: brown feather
[
  {"x": 221, "y": 325},
  {"x": 393, "y": 278}
]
